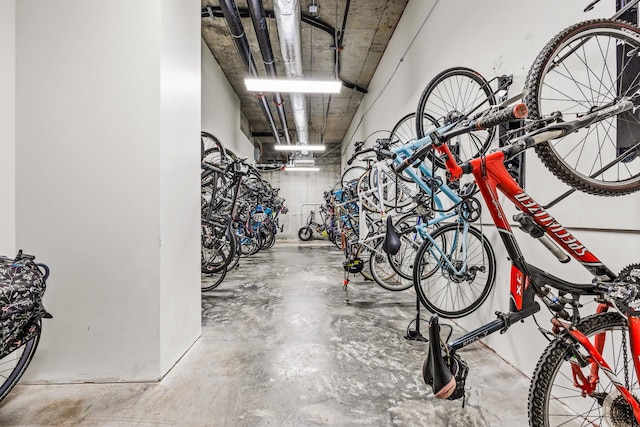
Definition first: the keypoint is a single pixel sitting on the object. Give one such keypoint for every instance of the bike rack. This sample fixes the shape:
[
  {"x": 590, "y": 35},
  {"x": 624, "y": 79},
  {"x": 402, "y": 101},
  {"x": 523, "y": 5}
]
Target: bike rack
[{"x": 415, "y": 334}]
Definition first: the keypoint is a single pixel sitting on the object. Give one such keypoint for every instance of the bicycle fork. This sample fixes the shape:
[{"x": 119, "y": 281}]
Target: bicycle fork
[{"x": 587, "y": 385}]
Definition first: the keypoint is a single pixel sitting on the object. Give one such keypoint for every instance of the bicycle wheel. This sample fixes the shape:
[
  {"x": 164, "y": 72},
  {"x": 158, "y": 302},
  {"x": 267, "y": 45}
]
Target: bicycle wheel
[
  {"x": 210, "y": 281},
  {"x": 446, "y": 282},
  {"x": 351, "y": 175},
  {"x": 581, "y": 70},
  {"x": 384, "y": 275},
  {"x": 554, "y": 399},
  {"x": 405, "y": 131},
  {"x": 305, "y": 233},
  {"x": 217, "y": 248},
  {"x": 453, "y": 94},
  {"x": 13, "y": 365},
  {"x": 211, "y": 149}
]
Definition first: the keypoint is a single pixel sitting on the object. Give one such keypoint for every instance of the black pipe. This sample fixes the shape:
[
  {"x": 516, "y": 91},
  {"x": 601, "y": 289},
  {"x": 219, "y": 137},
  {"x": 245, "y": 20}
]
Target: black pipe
[
  {"x": 256, "y": 9},
  {"x": 344, "y": 23},
  {"x": 232, "y": 16},
  {"x": 213, "y": 12}
]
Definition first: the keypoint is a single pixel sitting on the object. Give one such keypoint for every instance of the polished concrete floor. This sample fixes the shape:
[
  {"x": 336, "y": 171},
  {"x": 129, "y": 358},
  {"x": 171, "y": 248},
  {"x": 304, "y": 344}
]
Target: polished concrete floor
[{"x": 281, "y": 347}]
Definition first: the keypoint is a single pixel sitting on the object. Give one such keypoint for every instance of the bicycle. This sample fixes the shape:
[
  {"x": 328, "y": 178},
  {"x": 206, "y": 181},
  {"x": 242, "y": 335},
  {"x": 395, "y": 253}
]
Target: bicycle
[
  {"x": 22, "y": 286},
  {"x": 306, "y": 232},
  {"x": 459, "y": 249},
  {"x": 443, "y": 368}
]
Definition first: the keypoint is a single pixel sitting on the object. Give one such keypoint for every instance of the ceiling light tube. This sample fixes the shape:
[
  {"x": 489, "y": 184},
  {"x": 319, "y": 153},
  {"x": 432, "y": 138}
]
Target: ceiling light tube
[
  {"x": 306, "y": 161},
  {"x": 295, "y": 86},
  {"x": 301, "y": 169},
  {"x": 299, "y": 147}
]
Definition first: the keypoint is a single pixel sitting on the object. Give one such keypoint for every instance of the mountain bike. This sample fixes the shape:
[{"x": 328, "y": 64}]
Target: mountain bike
[{"x": 577, "y": 377}]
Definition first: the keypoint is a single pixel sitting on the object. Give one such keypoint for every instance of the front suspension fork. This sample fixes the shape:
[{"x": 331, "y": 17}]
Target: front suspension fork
[{"x": 597, "y": 363}]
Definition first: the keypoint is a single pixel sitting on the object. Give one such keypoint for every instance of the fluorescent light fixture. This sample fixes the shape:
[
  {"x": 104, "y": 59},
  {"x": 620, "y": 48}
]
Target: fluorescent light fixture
[
  {"x": 299, "y": 147},
  {"x": 301, "y": 169},
  {"x": 295, "y": 86},
  {"x": 305, "y": 161}
]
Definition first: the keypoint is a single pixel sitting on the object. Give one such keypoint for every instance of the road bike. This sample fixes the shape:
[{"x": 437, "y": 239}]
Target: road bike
[{"x": 457, "y": 271}]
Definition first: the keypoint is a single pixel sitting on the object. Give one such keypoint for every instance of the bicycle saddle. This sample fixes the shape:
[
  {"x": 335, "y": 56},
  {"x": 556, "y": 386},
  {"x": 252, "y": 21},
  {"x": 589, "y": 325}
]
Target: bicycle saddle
[{"x": 392, "y": 241}]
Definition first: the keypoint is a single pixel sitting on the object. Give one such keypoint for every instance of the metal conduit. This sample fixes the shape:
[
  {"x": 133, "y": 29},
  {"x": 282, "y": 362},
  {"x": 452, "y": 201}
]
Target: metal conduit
[
  {"x": 259, "y": 19},
  {"x": 288, "y": 20},
  {"x": 232, "y": 16},
  {"x": 307, "y": 19}
]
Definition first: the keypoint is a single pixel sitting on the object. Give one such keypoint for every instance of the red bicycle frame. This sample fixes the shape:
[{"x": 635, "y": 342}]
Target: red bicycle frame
[{"x": 527, "y": 281}]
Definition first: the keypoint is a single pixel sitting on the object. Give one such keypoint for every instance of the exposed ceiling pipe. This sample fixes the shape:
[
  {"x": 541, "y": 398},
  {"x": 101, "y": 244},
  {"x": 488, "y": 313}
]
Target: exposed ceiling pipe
[
  {"x": 262, "y": 32},
  {"x": 211, "y": 12},
  {"x": 288, "y": 20},
  {"x": 232, "y": 16}
]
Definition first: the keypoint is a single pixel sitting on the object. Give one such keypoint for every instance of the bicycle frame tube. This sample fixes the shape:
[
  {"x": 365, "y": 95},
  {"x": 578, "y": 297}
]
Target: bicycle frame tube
[
  {"x": 491, "y": 175},
  {"x": 405, "y": 151}
]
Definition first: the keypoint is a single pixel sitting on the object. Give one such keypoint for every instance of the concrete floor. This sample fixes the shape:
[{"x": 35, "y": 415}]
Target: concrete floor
[{"x": 280, "y": 347}]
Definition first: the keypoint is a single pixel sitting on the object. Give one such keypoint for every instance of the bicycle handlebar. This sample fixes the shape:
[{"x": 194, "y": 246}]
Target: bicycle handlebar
[
  {"x": 519, "y": 111},
  {"x": 381, "y": 152},
  {"x": 492, "y": 119}
]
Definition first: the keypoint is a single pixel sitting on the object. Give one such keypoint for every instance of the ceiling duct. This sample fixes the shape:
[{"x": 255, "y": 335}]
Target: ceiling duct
[
  {"x": 232, "y": 16},
  {"x": 287, "y": 14},
  {"x": 259, "y": 19}
]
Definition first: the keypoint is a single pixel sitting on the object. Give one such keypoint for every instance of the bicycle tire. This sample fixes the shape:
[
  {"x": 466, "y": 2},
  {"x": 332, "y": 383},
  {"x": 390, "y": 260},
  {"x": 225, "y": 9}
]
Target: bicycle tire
[
  {"x": 384, "y": 275},
  {"x": 351, "y": 174},
  {"x": 16, "y": 362},
  {"x": 454, "y": 93},
  {"x": 575, "y": 60},
  {"x": 212, "y": 281},
  {"x": 217, "y": 248},
  {"x": 553, "y": 397},
  {"x": 305, "y": 233},
  {"x": 438, "y": 288}
]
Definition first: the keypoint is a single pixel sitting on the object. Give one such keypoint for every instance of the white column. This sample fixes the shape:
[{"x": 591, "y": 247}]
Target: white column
[{"x": 107, "y": 164}]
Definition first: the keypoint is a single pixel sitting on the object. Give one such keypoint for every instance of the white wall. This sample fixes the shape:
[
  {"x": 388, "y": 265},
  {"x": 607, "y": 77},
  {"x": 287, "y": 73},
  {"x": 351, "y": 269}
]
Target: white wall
[
  {"x": 303, "y": 192},
  {"x": 497, "y": 37},
  {"x": 180, "y": 317},
  {"x": 221, "y": 108},
  {"x": 7, "y": 125},
  {"x": 101, "y": 159}
]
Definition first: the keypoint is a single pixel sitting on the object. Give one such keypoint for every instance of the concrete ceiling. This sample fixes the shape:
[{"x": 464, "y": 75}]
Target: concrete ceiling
[{"x": 368, "y": 26}]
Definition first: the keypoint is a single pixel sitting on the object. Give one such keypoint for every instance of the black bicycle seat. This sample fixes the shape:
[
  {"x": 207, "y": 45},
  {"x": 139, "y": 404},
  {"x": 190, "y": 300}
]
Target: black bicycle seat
[{"x": 392, "y": 241}]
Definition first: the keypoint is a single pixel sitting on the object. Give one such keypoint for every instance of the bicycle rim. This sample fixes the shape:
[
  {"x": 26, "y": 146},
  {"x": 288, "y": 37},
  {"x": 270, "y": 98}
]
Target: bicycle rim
[
  {"x": 584, "y": 68},
  {"x": 554, "y": 399},
  {"x": 454, "y": 93},
  {"x": 443, "y": 285}
]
